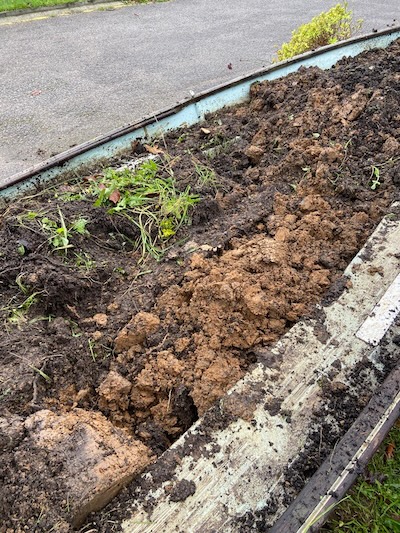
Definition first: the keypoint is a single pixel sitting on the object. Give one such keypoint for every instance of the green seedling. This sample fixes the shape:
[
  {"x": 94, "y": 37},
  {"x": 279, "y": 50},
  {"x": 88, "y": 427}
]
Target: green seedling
[
  {"x": 21, "y": 249},
  {"x": 71, "y": 196},
  {"x": 375, "y": 178},
  {"x": 79, "y": 226},
  {"x": 30, "y": 215},
  {"x": 326, "y": 28},
  {"x": 338, "y": 173},
  {"x": 181, "y": 138}
]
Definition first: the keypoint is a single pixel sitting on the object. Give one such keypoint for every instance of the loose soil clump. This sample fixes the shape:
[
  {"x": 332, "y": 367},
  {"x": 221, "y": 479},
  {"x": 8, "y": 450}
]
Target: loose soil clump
[{"x": 109, "y": 347}]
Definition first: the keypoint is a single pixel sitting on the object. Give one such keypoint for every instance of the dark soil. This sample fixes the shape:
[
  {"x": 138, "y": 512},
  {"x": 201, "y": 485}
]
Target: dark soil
[{"x": 125, "y": 352}]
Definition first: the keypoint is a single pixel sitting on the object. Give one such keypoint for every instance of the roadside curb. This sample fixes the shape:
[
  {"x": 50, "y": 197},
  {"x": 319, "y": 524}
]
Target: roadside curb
[{"x": 68, "y": 6}]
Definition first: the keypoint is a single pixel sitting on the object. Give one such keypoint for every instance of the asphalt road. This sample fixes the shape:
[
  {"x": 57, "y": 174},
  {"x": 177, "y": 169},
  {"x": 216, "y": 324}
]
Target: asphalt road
[{"x": 67, "y": 79}]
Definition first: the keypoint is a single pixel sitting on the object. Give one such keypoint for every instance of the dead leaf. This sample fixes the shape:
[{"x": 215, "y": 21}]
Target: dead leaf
[
  {"x": 205, "y": 131},
  {"x": 136, "y": 147},
  {"x": 115, "y": 196},
  {"x": 102, "y": 186},
  {"x": 153, "y": 149},
  {"x": 390, "y": 449}
]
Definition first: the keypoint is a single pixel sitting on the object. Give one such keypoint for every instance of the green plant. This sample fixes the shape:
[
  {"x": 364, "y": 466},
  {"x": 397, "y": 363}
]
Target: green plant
[
  {"x": 321, "y": 515},
  {"x": 206, "y": 176},
  {"x": 59, "y": 234},
  {"x": 91, "y": 350},
  {"x": 18, "y": 314},
  {"x": 375, "y": 178},
  {"x": 22, "y": 287},
  {"x": 150, "y": 202},
  {"x": 11, "y": 5},
  {"x": 217, "y": 144},
  {"x": 41, "y": 373},
  {"x": 326, "y": 28},
  {"x": 84, "y": 261}
]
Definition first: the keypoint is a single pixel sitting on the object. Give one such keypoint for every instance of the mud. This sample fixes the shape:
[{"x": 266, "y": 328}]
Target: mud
[{"x": 300, "y": 176}]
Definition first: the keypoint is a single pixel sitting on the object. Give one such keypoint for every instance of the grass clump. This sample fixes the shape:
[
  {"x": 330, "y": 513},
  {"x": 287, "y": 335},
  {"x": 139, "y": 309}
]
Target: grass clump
[
  {"x": 326, "y": 28},
  {"x": 149, "y": 201},
  {"x": 12, "y": 5},
  {"x": 374, "y": 503}
]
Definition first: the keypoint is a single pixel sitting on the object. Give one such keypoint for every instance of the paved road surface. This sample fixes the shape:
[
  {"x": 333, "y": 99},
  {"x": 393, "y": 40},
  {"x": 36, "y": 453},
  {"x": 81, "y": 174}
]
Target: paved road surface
[{"x": 67, "y": 79}]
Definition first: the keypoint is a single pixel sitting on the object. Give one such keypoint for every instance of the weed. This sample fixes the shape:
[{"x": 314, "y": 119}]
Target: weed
[
  {"x": 18, "y": 314},
  {"x": 326, "y": 28},
  {"x": 41, "y": 373},
  {"x": 59, "y": 234},
  {"x": 21, "y": 250},
  {"x": 23, "y": 288},
  {"x": 27, "y": 217},
  {"x": 149, "y": 202},
  {"x": 84, "y": 261},
  {"x": 206, "y": 177},
  {"x": 71, "y": 196},
  {"x": 375, "y": 178},
  {"x": 217, "y": 145},
  {"x": 121, "y": 271},
  {"x": 327, "y": 511},
  {"x": 339, "y": 171},
  {"x": 74, "y": 329},
  {"x": 181, "y": 138},
  {"x": 91, "y": 350}
]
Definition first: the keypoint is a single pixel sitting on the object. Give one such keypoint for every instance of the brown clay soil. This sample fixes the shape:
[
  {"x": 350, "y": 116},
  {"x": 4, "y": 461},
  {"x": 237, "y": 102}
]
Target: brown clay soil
[{"x": 118, "y": 357}]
